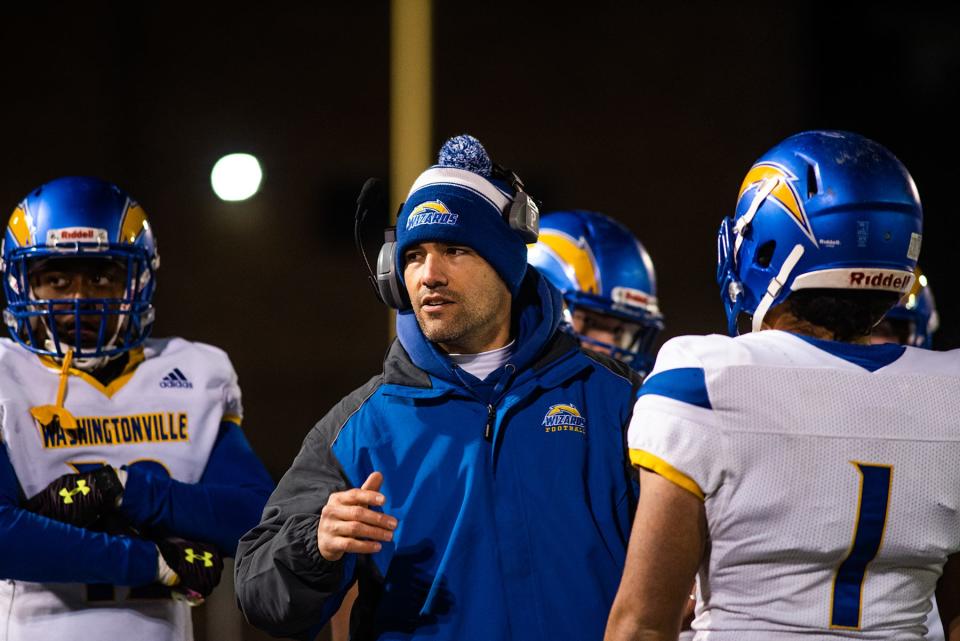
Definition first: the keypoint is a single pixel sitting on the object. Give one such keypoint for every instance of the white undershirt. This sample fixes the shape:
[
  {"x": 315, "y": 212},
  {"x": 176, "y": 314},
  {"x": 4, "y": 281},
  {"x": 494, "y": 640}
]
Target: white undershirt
[{"x": 480, "y": 365}]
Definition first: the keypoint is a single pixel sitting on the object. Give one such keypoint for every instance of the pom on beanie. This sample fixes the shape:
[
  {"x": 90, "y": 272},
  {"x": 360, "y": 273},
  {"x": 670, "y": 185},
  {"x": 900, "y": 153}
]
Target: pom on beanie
[{"x": 466, "y": 152}]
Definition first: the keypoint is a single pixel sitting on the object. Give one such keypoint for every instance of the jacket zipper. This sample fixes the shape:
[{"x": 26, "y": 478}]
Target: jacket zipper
[
  {"x": 509, "y": 372},
  {"x": 488, "y": 429}
]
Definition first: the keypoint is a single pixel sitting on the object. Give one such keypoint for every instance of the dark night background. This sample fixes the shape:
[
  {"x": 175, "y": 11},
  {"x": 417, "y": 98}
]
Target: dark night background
[{"x": 652, "y": 114}]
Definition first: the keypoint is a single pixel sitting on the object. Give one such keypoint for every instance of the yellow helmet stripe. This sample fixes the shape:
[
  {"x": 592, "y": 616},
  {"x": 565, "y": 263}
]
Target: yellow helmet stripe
[
  {"x": 783, "y": 192},
  {"x": 134, "y": 222},
  {"x": 20, "y": 227},
  {"x": 575, "y": 254}
]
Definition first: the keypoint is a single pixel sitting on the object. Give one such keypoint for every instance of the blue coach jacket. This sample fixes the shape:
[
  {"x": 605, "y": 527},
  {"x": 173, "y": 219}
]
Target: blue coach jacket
[{"x": 513, "y": 495}]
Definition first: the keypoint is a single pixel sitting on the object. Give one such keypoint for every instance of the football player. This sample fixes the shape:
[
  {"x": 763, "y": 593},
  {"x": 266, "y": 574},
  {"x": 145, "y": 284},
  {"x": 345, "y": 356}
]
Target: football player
[
  {"x": 607, "y": 281},
  {"x": 609, "y": 288},
  {"x": 124, "y": 475},
  {"x": 822, "y": 467}
]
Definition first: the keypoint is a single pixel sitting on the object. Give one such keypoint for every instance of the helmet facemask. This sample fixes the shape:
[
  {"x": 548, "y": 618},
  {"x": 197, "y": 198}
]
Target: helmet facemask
[
  {"x": 633, "y": 334},
  {"x": 96, "y": 329}
]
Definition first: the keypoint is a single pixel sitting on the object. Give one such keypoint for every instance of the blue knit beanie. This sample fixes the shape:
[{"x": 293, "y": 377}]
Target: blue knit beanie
[{"x": 458, "y": 201}]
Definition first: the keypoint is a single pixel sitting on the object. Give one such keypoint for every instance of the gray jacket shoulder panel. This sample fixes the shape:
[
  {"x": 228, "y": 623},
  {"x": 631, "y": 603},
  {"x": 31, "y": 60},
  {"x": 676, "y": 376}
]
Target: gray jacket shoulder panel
[
  {"x": 281, "y": 578},
  {"x": 398, "y": 369},
  {"x": 616, "y": 367}
]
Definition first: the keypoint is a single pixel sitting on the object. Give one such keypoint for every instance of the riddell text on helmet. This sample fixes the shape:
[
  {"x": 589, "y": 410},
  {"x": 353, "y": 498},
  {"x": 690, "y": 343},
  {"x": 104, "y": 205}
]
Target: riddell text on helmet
[{"x": 881, "y": 280}]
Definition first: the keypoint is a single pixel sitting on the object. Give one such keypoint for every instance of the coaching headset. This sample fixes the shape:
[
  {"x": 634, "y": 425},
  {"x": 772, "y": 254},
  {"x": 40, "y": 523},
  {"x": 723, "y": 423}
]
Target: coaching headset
[{"x": 522, "y": 215}]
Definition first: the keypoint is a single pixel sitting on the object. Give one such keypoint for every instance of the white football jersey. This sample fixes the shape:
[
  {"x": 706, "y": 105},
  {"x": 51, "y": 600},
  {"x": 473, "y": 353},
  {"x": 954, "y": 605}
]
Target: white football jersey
[
  {"x": 829, "y": 476},
  {"x": 168, "y": 411}
]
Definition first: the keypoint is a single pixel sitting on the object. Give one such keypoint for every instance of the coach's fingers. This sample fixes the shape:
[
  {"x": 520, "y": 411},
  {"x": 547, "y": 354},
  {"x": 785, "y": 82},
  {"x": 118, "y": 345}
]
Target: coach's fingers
[
  {"x": 373, "y": 482},
  {"x": 356, "y": 497},
  {"x": 333, "y": 547},
  {"x": 357, "y": 530},
  {"x": 355, "y": 513},
  {"x": 359, "y": 546},
  {"x": 367, "y": 494}
]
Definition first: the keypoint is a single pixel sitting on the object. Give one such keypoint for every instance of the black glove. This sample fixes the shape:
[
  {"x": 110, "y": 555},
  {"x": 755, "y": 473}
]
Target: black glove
[
  {"x": 196, "y": 566},
  {"x": 79, "y": 499}
]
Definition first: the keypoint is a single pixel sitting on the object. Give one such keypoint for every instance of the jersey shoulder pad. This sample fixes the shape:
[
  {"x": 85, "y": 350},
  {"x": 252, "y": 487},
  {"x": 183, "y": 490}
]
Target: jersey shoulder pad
[
  {"x": 9, "y": 350},
  {"x": 214, "y": 358},
  {"x": 917, "y": 360},
  {"x": 703, "y": 352}
]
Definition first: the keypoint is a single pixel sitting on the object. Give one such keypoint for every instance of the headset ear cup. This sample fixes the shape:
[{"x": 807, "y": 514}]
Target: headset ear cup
[
  {"x": 524, "y": 217},
  {"x": 388, "y": 283}
]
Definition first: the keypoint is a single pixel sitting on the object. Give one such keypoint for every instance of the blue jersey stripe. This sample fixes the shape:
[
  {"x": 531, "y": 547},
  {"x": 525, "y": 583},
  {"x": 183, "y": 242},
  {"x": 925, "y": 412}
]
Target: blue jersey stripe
[
  {"x": 869, "y": 357},
  {"x": 684, "y": 384},
  {"x": 871, "y": 522}
]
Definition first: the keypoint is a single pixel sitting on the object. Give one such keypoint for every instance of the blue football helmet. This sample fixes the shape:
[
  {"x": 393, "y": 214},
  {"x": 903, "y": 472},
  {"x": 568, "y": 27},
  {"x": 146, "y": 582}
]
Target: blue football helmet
[
  {"x": 598, "y": 265},
  {"x": 822, "y": 209},
  {"x": 918, "y": 310},
  {"x": 84, "y": 218}
]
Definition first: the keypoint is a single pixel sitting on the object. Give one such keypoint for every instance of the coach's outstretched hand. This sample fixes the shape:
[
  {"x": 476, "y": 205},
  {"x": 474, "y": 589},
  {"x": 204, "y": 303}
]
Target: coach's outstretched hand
[
  {"x": 348, "y": 525},
  {"x": 79, "y": 499},
  {"x": 190, "y": 568}
]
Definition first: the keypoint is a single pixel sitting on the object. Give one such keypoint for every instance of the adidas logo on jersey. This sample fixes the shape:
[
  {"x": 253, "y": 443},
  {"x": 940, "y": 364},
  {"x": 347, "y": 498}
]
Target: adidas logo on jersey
[{"x": 176, "y": 379}]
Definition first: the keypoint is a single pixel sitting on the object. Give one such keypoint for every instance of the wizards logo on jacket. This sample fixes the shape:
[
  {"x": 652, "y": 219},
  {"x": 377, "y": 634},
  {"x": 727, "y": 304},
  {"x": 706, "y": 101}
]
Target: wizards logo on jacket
[{"x": 564, "y": 417}]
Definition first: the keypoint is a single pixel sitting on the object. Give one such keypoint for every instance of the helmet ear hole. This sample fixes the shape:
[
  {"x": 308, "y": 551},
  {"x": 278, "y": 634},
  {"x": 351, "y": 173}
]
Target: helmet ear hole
[
  {"x": 813, "y": 183},
  {"x": 765, "y": 253}
]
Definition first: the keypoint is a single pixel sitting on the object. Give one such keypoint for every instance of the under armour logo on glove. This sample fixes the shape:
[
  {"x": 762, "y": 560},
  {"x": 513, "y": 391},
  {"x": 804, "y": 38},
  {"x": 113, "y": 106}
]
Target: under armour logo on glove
[
  {"x": 69, "y": 494},
  {"x": 206, "y": 557},
  {"x": 191, "y": 568},
  {"x": 79, "y": 499}
]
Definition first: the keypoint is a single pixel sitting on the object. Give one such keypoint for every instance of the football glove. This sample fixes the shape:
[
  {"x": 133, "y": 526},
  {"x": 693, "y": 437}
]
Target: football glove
[
  {"x": 188, "y": 567},
  {"x": 79, "y": 499}
]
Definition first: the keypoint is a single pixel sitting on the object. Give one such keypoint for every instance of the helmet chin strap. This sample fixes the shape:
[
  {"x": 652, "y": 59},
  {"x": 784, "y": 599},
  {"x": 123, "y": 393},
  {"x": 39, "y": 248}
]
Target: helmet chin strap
[
  {"x": 87, "y": 363},
  {"x": 775, "y": 286}
]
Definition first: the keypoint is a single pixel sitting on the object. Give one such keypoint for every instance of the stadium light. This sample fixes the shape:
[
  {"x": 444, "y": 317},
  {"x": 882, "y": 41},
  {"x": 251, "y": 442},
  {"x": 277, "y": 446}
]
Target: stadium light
[{"x": 236, "y": 177}]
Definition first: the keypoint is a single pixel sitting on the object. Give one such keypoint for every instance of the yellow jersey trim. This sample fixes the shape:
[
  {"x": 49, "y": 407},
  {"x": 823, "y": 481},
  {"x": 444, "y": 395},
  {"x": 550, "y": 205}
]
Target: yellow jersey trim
[
  {"x": 136, "y": 357},
  {"x": 236, "y": 419},
  {"x": 656, "y": 464}
]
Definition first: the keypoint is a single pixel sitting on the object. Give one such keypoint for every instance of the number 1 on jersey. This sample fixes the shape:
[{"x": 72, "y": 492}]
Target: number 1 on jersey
[{"x": 871, "y": 520}]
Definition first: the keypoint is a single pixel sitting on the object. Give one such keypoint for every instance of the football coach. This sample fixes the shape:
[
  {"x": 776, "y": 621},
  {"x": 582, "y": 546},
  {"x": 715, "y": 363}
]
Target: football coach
[{"x": 479, "y": 486}]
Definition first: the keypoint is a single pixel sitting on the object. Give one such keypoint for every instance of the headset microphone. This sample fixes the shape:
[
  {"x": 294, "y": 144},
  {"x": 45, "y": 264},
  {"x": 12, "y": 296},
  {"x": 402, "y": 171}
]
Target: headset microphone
[
  {"x": 384, "y": 280},
  {"x": 372, "y": 197}
]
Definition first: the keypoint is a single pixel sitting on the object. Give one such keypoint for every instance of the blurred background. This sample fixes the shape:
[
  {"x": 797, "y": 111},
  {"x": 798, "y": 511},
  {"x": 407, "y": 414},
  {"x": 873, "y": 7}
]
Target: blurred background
[{"x": 651, "y": 113}]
